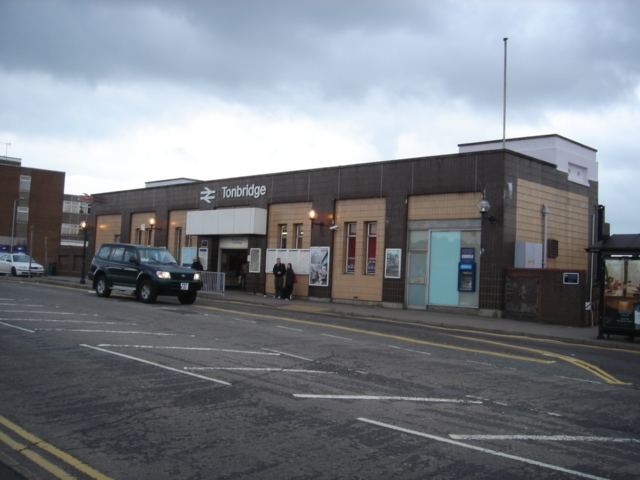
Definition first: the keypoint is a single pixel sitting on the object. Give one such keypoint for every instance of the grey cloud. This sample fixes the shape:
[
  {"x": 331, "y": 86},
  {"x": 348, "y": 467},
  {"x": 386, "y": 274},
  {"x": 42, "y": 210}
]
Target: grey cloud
[{"x": 337, "y": 49}]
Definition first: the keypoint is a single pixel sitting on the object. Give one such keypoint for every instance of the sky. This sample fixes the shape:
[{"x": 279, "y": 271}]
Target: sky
[{"x": 119, "y": 92}]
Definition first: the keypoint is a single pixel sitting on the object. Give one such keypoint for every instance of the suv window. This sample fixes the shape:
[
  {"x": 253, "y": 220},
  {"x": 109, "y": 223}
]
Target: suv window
[
  {"x": 116, "y": 254},
  {"x": 156, "y": 256},
  {"x": 104, "y": 252},
  {"x": 130, "y": 253}
]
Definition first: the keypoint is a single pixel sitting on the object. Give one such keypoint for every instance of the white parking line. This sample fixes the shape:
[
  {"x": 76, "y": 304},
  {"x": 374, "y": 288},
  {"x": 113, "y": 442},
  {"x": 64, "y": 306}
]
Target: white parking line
[
  {"x": 289, "y": 328},
  {"x": 16, "y": 327},
  {"x": 336, "y": 336},
  {"x": 44, "y": 313},
  {"x": 480, "y": 449},
  {"x": 409, "y": 350},
  {"x": 547, "y": 438},
  {"x": 261, "y": 369},
  {"x": 198, "y": 349},
  {"x": 579, "y": 380},
  {"x": 127, "y": 332},
  {"x": 299, "y": 357},
  {"x": 382, "y": 397},
  {"x": 49, "y": 320},
  {"x": 165, "y": 367},
  {"x": 21, "y": 305}
]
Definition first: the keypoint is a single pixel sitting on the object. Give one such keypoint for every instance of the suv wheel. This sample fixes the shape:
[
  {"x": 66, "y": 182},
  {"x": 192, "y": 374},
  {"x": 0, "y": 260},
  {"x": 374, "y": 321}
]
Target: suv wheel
[
  {"x": 147, "y": 292},
  {"x": 102, "y": 289},
  {"x": 187, "y": 298}
]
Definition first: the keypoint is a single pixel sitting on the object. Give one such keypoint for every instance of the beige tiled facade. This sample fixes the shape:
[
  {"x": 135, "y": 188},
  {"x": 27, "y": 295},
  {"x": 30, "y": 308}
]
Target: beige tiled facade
[
  {"x": 567, "y": 222},
  {"x": 358, "y": 285},
  {"x": 177, "y": 237},
  {"x": 138, "y": 219},
  {"x": 289, "y": 214},
  {"x": 107, "y": 229},
  {"x": 447, "y": 206}
]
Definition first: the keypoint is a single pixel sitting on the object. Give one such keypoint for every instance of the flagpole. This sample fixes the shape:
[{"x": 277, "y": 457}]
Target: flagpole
[{"x": 504, "y": 96}]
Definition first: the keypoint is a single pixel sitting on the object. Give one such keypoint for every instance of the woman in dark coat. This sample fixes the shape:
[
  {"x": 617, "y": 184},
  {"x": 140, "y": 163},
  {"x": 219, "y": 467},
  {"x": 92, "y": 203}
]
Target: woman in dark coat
[{"x": 289, "y": 280}]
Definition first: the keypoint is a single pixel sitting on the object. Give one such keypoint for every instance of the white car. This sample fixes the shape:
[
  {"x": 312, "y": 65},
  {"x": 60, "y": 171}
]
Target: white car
[{"x": 18, "y": 264}]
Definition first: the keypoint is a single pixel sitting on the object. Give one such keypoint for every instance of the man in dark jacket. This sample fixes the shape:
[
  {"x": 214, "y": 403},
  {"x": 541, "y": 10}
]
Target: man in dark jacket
[
  {"x": 278, "y": 277},
  {"x": 197, "y": 264}
]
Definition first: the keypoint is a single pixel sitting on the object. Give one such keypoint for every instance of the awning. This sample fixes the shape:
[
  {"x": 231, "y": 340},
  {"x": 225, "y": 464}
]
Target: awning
[{"x": 227, "y": 221}]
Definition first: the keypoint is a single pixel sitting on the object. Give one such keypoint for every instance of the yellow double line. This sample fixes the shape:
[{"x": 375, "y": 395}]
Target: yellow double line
[
  {"x": 548, "y": 357},
  {"x": 372, "y": 333},
  {"x": 593, "y": 369},
  {"x": 28, "y": 451}
]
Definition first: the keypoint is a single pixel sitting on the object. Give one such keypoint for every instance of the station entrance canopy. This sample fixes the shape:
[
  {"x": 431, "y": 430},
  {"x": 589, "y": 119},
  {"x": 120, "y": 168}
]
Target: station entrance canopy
[{"x": 227, "y": 221}]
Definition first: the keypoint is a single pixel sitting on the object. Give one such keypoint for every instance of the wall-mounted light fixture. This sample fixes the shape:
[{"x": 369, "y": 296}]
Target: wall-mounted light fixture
[{"x": 313, "y": 215}]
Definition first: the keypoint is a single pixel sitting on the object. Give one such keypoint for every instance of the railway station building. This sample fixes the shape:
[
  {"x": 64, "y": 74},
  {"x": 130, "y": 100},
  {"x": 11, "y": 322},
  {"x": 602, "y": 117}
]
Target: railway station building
[{"x": 487, "y": 229}]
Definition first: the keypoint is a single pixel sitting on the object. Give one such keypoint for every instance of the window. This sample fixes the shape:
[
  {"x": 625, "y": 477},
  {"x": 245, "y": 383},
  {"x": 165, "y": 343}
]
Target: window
[
  {"x": 350, "y": 231},
  {"x": 25, "y": 183},
  {"x": 129, "y": 254},
  {"x": 370, "y": 266},
  {"x": 22, "y": 215},
  {"x": 283, "y": 235},
  {"x": 70, "y": 229},
  {"x": 299, "y": 235},
  {"x": 116, "y": 254},
  {"x": 104, "y": 252},
  {"x": 69, "y": 206}
]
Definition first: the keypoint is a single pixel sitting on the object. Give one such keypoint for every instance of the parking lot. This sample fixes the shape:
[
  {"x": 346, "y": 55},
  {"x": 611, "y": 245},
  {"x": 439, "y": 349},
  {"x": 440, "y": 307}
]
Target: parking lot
[{"x": 225, "y": 390}]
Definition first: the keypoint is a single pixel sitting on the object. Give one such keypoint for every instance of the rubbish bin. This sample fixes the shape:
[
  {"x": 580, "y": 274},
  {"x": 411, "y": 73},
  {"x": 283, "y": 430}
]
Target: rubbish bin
[{"x": 51, "y": 268}]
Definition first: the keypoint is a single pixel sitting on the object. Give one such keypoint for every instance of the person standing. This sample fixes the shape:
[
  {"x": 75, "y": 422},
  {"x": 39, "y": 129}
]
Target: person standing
[
  {"x": 289, "y": 280},
  {"x": 197, "y": 264},
  {"x": 244, "y": 269},
  {"x": 279, "y": 271}
]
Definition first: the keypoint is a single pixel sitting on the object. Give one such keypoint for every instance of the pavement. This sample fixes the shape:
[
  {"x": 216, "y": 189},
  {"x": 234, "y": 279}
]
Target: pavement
[{"x": 580, "y": 335}]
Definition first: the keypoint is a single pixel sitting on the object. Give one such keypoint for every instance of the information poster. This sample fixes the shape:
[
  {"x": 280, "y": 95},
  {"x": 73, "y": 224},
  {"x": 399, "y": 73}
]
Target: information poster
[
  {"x": 319, "y": 267},
  {"x": 297, "y": 257}
]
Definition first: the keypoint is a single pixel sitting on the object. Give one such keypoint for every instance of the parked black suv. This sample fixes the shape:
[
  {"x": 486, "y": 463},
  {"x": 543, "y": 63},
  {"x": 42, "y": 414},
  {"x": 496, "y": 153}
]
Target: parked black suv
[{"x": 145, "y": 271}]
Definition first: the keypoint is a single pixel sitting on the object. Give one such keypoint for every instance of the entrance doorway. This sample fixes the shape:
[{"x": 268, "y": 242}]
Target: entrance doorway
[
  {"x": 437, "y": 260},
  {"x": 232, "y": 264}
]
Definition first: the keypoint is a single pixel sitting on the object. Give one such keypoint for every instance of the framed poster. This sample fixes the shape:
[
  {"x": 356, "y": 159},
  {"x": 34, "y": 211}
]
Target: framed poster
[
  {"x": 392, "y": 262},
  {"x": 319, "y": 267},
  {"x": 254, "y": 260}
]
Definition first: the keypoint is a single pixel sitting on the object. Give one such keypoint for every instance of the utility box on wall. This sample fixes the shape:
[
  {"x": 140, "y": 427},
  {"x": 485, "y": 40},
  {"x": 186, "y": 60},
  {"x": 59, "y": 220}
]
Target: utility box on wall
[{"x": 528, "y": 255}]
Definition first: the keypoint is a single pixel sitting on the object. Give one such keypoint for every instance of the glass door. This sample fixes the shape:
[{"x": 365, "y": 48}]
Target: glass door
[
  {"x": 443, "y": 269},
  {"x": 417, "y": 261},
  {"x": 417, "y": 280}
]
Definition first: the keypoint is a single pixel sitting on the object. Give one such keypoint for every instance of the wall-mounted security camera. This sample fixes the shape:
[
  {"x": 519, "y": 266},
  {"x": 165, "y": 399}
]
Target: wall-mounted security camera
[
  {"x": 484, "y": 206},
  {"x": 334, "y": 227}
]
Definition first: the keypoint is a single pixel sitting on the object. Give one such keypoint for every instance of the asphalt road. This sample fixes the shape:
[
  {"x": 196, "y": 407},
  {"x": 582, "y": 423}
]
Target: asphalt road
[{"x": 112, "y": 388}]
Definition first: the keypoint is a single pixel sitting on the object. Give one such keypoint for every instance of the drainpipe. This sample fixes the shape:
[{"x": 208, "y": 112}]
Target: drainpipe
[{"x": 545, "y": 214}]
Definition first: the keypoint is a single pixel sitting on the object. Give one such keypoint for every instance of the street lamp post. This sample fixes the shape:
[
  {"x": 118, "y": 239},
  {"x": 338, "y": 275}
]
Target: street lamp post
[
  {"x": 83, "y": 227},
  {"x": 152, "y": 227}
]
